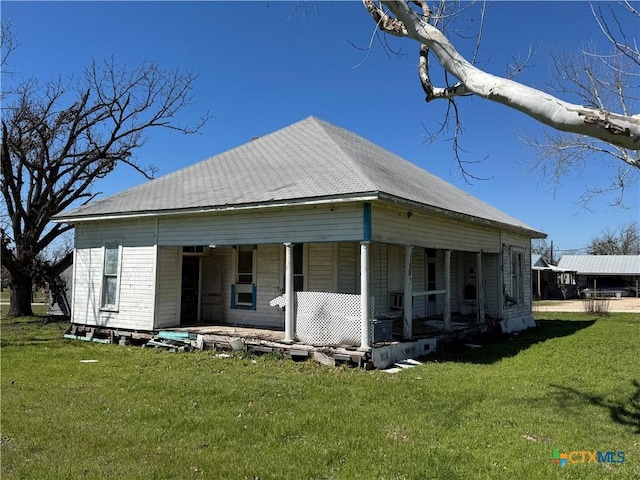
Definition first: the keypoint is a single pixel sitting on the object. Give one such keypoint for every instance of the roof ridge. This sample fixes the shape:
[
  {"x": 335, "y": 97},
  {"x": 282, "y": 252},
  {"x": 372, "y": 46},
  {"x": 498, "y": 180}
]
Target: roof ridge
[{"x": 355, "y": 165}]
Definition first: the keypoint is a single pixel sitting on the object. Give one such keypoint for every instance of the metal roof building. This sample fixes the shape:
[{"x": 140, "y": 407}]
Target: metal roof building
[{"x": 627, "y": 265}]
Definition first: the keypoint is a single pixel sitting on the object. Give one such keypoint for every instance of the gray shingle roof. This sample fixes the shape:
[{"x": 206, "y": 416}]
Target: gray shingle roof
[
  {"x": 307, "y": 160},
  {"x": 602, "y": 264}
]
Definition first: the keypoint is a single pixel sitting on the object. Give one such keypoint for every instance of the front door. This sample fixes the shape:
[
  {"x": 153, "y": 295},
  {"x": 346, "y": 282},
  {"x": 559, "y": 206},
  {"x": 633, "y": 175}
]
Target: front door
[{"x": 190, "y": 284}]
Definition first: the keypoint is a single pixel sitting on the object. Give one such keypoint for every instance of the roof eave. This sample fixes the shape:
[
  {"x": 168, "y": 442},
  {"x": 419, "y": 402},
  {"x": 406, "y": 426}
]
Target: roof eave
[
  {"x": 461, "y": 216},
  {"x": 359, "y": 197}
]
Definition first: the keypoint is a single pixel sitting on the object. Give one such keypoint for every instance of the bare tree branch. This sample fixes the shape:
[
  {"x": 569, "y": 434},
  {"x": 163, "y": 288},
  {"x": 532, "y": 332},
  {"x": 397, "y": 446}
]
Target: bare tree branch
[
  {"x": 58, "y": 139},
  {"x": 617, "y": 129}
]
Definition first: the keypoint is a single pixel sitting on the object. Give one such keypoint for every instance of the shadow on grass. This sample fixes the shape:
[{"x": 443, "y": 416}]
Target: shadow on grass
[
  {"x": 497, "y": 347},
  {"x": 625, "y": 413},
  {"x": 37, "y": 329},
  {"x": 35, "y": 320}
]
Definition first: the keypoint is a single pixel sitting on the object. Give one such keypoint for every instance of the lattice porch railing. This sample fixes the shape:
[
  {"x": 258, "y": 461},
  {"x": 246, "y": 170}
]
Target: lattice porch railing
[{"x": 324, "y": 318}]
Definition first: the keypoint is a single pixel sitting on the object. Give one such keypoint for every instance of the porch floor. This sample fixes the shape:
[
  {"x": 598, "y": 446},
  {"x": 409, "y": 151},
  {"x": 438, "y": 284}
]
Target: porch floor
[
  {"x": 232, "y": 331},
  {"x": 222, "y": 334}
]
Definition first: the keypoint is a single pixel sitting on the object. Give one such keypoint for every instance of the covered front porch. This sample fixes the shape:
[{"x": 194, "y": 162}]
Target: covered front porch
[
  {"x": 340, "y": 292},
  {"x": 386, "y": 301}
]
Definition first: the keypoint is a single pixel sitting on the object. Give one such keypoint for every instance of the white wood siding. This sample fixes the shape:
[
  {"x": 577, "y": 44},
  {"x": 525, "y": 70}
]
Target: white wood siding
[
  {"x": 319, "y": 223},
  {"x": 269, "y": 285},
  {"x": 136, "y": 289},
  {"x": 168, "y": 287},
  {"x": 348, "y": 268},
  {"x": 423, "y": 230},
  {"x": 86, "y": 285},
  {"x": 321, "y": 266},
  {"x": 137, "y": 273},
  {"x": 130, "y": 232}
]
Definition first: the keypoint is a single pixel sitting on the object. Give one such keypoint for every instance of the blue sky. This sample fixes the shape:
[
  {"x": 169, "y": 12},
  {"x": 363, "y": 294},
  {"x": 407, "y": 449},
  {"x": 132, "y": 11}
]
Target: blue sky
[{"x": 264, "y": 65}]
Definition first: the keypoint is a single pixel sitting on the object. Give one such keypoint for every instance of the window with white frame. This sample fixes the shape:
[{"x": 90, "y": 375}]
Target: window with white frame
[
  {"x": 111, "y": 277},
  {"x": 517, "y": 274},
  {"x": 244, "y": 289}
]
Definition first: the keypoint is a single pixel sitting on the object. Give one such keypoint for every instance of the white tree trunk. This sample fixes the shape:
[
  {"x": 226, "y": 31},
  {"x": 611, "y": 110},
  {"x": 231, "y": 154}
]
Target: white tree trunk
[{"x": 620, "y": 130}]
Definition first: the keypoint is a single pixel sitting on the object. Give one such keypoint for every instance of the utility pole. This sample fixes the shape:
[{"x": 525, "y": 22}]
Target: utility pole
[{"x": 551, "y": 260}]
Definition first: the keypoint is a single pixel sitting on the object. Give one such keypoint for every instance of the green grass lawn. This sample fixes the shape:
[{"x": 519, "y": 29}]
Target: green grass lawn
[{"x": 497, "y": 412}]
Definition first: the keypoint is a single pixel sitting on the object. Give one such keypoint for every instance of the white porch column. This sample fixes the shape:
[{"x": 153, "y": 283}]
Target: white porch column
[
  {"x": 289, "y": 295},
  {"x": 365, "y": 321},
  {"x": 447, "y": 290},
  {"x": 407, "y": 312},
  {"x": 479, "y": 289}
]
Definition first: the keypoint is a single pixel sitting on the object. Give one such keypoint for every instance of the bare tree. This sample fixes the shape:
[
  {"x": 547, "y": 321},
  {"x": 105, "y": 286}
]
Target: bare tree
[
  {"x": 401, "y": 19},
  {"x": 605, "y": 82},
  {"x": 625, "y": 240},
  {"x": 59, "y": 138},
  {"x": 8, "y": 42},
  {"x": 545, "y": 250}
]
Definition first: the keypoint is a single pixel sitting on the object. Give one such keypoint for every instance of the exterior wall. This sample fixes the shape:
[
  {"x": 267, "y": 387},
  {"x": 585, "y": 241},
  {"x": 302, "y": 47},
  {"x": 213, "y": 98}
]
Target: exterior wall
[
  {"x": 168, "y": 287},
  {"x": 513, "y": 243},
  {"x": 151, "y": 262},
  {"x": 269, "y": 284},
  {"x": 321, "y": 267},
  {"x": 136, "y": 276},
  {"x": 317, "y": 223},
  {"x": 395, "y": 226},
  {"x": 348, "y": 258}
]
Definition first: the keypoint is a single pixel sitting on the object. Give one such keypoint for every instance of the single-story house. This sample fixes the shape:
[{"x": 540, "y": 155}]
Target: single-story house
[
  {"x": 550, "y": 281},
  {"x": 311, "y": 231},
  {"x": 605, "y": 272}
]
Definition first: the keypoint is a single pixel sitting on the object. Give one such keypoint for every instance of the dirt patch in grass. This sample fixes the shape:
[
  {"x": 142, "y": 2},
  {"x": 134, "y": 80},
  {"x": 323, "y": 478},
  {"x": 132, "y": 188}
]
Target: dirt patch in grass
[{"x": 625, "y": 304}]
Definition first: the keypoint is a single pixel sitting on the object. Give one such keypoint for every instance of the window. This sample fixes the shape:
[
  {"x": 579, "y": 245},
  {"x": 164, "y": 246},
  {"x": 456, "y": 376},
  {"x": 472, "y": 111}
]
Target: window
[
  {"x": 517, "y": 273},
  {"x": 298, "y": 268},
  {"x": 244, "y": 290},
  {"x": 245, "y": 264},
  {"x": 197, "y": 249},
  {"x": 110, "y": 277}
]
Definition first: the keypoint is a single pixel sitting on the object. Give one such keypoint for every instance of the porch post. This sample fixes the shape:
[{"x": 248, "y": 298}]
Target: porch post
[
  {"x": 365, "y": 323},
  {"x": 479, "y": 289},
  {"x": 407, "y": 315},
  {"x": 289, "y": 295},
  {"x": 539, "y": 287},
  {"x": 447, "y": 290}
]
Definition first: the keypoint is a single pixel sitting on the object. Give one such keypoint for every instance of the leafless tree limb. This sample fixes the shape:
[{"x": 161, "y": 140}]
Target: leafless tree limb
[
  {"x": 403, "y": 21},
  {"x": 59, "y": 138}
]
